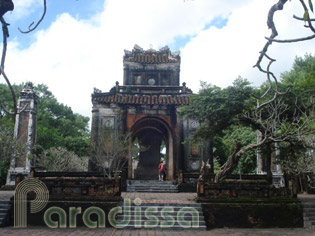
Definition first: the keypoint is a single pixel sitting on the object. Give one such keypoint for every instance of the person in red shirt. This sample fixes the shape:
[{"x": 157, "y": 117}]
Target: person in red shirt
[{"x": 161, "y": 171}]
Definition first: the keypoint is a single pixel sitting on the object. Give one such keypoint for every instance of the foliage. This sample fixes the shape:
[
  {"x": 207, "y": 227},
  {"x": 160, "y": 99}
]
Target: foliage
[
  {"x": 9, "y": 147},
  {"x": 246, "y": 135},
  {"x": 224, "y": 145},
  {"x": 230, "y": 117},
  {"x": 60, "y": 159},
  {"x": 298, "y": 161},
  {"x": 216, "y": 109},
  {"x": 301, "y": 79},
  {"x": 57, "y": 125}
]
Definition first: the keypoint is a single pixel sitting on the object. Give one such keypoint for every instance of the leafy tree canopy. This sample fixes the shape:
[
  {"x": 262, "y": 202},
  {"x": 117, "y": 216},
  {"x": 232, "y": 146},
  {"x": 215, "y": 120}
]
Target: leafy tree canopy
[
  {"x": 216, "y": 109},
  {"x": 57, "y": 125},
  {"x": 301, "y": 79}
]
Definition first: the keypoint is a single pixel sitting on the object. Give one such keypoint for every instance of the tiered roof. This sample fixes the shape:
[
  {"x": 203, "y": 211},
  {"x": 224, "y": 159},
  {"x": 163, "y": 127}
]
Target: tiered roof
[{"x": 151, "y": 56}]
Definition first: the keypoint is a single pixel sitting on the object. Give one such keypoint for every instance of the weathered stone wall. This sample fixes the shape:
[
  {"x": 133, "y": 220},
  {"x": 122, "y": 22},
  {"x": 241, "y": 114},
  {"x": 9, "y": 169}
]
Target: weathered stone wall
[
  {"x": 37, "y": 219},
  {"x": 254, "y": 213},
  {"x": 81, "y": 186}
]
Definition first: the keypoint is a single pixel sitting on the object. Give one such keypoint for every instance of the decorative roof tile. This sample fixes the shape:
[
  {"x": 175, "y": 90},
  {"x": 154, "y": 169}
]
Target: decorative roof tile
[{"x": 135, "y": 99}]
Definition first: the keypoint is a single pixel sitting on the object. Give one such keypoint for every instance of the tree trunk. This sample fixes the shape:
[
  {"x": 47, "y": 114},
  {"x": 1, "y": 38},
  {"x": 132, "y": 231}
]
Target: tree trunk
[{"x": 230, "y": 164}]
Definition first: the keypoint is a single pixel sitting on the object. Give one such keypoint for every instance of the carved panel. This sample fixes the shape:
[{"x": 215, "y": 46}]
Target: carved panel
[
  {"x": 193, "y": 124},
  {"x": 108, "y": 122}
]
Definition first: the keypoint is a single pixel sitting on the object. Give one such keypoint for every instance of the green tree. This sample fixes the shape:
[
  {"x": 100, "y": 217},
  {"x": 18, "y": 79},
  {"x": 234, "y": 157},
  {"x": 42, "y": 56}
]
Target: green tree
[
  {"x": 246, "y": 136},
  {"x": 57, "y": 125},
  {"x": 216, "y": 109},
  {"x": 222, "y": 111},
  {"x": 300, "y": 79}
]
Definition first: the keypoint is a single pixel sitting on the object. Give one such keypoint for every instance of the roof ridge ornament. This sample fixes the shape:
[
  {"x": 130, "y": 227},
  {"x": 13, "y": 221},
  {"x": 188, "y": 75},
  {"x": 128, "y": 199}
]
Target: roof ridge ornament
[{"x": 151, "y": 56}]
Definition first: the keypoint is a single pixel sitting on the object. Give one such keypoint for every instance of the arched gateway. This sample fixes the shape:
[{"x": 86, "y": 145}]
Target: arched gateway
[{"x": 147, "y": 105}]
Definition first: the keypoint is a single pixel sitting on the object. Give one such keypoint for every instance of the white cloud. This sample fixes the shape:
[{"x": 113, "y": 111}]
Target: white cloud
[
  {"x": 73, "y": 56},
  {"x": 23, "y": 8},
  {"x": 218, "y": 56}
]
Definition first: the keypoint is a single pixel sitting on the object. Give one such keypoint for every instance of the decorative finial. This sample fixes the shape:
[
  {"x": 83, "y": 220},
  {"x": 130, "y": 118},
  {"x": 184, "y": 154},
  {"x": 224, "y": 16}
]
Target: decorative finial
[
  {"x": 184, "y": 87},
  {"x": 117, "y": 86}
]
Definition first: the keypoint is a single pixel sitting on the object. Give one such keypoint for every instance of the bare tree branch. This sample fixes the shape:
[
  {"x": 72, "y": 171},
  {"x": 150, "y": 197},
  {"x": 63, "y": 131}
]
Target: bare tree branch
[
  {"x": 308, "y": 16},
  {"x": 274, "y": 125},
  {"x": 10, "y": 112},
  {"x": 274, "y": 33},
  {"x": 301, "y": 18},
  {"x": 5, "y": 35},
  {"x": 291, "y": 40},
  {"x": 30, "y": 29}
]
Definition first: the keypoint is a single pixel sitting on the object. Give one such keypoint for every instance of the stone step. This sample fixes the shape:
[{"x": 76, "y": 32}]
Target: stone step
[
  {"x": 308, "y": 204},
  {"x": 151, "y": 186},
  {"x": 309, "y": 210},
  {"x": 163, "y": 204},
  {"x": 174, "y": 227},
  {"x": 132, "y": 213},
  {"x": 174, "y": 215},
  {"x": 157, "y": 187},
  {"x": 170, "y": 209},
  {"x": 5, "y": 206},
  {"x": 4, "y": 210},
  {"x": 167, "y": 208},
  {"x": 132, "y": 181},
  {"x": 308, "y": 215},
  {"x": 4, "y": 213},
  {"x": 153, "y": 190},
  {"x": 176, "y": 222}
]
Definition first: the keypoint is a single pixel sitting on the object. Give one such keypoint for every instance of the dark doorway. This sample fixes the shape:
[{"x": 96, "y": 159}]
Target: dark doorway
[{"x": 150, "y": 141}]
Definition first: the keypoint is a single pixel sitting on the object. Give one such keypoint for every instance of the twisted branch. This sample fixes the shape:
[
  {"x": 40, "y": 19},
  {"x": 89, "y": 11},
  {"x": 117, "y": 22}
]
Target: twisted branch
[
  {"x": 5, "y": 35},
  {"x": 30, "y": 29}
]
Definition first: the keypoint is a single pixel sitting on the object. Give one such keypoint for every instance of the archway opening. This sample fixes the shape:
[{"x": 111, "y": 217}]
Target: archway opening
[
  {"x": 155, "y": 142},
  {"x": 149, "y": 156}
]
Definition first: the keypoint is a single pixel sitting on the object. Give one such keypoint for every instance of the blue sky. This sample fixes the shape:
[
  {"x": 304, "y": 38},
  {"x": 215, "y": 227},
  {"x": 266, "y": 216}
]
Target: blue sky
[
  {"x": 79, "y": 9},
  {"x": 80, "y": 43}
]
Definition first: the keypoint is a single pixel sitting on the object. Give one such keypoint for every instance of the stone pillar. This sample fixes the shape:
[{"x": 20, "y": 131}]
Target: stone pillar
[
  {"x": 277, "y": 175},
  {"x": 25, "y": 132},
  {"x": 180, "y": 138},
  {"x": 259, "y": 157}
]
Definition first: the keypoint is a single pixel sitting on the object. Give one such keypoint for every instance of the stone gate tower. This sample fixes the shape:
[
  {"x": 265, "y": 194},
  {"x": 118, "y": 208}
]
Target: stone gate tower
[
  {"x": 25, "y": 133},
  {"x": 147, "y": 105}
]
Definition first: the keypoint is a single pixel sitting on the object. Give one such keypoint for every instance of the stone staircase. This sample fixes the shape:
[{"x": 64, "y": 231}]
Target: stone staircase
[
  {"x": 308, "y": 212},
  {"x": 5, "y": 207},
  {"x": 159, "y": 216},
  {"x": 153, "y": 186}
]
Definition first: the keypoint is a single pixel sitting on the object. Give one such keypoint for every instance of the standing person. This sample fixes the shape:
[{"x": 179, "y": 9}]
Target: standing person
[{"x": 161, "y": 171}]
